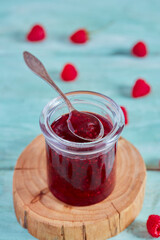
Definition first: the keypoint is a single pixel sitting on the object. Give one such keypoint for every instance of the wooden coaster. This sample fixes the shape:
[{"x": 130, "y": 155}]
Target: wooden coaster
[{"x": 47, "y": 218}]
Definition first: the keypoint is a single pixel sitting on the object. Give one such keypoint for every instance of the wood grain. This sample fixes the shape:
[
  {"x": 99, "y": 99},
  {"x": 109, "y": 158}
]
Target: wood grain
[{"x": 47, "y": 218}]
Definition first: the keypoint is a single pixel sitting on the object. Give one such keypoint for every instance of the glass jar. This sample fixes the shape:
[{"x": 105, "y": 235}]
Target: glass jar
[{"x": 81, "y": 174}]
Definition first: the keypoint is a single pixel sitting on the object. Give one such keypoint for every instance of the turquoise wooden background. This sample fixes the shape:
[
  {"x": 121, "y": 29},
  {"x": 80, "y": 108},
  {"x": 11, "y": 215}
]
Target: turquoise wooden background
[{"x": 105, "y": 65}]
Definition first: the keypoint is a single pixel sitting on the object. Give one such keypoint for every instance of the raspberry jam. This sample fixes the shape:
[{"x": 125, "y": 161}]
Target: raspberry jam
[
  {"x": 76, "y": 181},
  {"x": 81, "y": 173}
]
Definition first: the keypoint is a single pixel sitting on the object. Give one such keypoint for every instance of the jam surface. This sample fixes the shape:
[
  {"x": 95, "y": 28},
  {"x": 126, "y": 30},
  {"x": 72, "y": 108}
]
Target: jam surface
[{"x": 78, "y": 181}]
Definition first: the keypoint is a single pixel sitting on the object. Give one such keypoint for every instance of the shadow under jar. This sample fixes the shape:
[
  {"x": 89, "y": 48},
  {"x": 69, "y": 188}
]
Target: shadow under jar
[{"x": 81, "y": 173}]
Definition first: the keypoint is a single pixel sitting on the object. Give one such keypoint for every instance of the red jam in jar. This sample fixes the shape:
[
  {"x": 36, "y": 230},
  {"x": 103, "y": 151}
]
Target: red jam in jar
[{"x": 80, "y": 173}]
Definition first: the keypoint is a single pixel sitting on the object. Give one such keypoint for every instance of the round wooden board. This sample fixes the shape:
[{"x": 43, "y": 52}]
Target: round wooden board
[{"x": 47, "y": 218}]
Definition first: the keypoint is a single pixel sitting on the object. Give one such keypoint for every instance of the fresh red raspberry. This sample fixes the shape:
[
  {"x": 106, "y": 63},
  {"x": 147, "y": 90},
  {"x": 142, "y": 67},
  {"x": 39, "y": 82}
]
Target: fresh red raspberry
[
  {"x": 81, "y": 36},
  {"x": 125, "y": 114},
  {"x": 139, "y": 49},
  {"x": 140, "y": 89},
  {"x": 153, "y": 225},
  {"x": 69, "y": 72},
  {"x": 37, "y": 33}
]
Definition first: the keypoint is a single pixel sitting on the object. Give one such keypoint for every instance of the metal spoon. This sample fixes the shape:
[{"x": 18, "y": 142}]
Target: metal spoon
[{"x": 76, "y": 118}]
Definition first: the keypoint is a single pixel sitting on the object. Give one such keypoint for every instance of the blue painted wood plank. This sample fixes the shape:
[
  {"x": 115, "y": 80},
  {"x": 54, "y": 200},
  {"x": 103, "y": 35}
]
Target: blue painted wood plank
[{"x": 104, "y": 64}]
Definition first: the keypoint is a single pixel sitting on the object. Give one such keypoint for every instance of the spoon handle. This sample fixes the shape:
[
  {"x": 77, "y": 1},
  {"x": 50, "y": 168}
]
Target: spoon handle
[{"x": 38, "y": 68}]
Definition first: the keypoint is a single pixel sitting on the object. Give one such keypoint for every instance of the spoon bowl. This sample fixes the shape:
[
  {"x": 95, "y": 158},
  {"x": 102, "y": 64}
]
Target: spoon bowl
[{"x": 86, "y": 125}]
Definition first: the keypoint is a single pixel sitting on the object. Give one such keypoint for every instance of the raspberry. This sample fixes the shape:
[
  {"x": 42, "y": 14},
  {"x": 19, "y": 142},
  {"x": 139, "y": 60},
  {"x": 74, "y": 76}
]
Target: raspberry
[
  {"x": 69, "y": 72},
  {"x": 139, "y": 49},
  {"x": 79, "y": 37},
  {"x": 140, "y": 89},
  {"x": 37, "y": 33},
  {"x": 125, "y": 114},
  {"x": 153, "y": 225}
]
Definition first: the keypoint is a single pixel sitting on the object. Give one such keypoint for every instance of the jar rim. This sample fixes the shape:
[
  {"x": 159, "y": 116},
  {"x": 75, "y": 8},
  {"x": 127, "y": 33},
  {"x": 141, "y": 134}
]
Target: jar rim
[{"x": 111, "y": 137}]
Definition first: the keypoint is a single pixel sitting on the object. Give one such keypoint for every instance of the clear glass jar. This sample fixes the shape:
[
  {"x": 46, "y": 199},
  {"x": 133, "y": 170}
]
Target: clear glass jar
[{"x": 81, "y": 174}]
